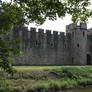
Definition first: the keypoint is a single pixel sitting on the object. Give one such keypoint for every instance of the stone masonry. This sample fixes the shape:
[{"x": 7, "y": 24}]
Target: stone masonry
[{"x": 52, "y": 49}]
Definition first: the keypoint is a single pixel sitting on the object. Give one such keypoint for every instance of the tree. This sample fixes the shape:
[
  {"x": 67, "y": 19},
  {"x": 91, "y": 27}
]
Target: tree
[{"x": 27, "y": 11}]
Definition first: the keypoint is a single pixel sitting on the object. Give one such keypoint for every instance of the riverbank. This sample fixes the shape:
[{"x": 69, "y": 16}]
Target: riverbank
[{"x": 44, "y": 79}]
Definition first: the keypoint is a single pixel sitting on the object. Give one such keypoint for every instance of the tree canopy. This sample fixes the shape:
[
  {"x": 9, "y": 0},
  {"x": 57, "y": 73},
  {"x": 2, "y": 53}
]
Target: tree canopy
[{"x": 28, "y": 11}]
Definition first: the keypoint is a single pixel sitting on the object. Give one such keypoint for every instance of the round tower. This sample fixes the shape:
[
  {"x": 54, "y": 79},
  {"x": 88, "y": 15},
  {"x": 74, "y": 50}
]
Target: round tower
[{"x": 78, "y": 43}]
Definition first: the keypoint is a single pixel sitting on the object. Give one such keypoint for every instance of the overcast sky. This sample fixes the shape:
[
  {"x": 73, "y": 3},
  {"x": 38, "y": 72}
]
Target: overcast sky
[{"x": 59, "y": 24}]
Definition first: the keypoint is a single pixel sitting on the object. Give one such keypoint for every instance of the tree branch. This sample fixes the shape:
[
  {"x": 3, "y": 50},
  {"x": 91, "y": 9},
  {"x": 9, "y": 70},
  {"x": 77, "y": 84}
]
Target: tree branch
[{"x": 10, "y": 2}]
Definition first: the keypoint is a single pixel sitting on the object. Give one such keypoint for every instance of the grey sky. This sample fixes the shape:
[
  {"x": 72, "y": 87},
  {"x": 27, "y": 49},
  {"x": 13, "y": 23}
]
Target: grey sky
[{"x": 59, "y": 24}]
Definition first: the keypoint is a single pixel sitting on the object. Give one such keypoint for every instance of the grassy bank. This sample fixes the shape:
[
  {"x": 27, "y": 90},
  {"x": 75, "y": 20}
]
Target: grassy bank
[{"x": 43, "y": 79}]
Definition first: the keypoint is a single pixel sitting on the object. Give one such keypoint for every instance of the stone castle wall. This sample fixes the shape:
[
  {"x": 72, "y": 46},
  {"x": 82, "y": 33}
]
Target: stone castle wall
[
  {"x": 43, "y": 48},
  {"x": 78, "y": 43},
  {"x": 52, "y": 48}
]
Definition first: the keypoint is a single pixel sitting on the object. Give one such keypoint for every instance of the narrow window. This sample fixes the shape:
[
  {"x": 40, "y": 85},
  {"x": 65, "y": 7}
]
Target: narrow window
[
  {"x": 65, "y": 46},
  {"x": 83, "y": 33},
  {"x": 72, "y": 34},
  {"x": 72, "y": 60},
  {"x": 78, "y": 45},
  {"x": 36, "y": 43},
  {"x": 89, "y": 46}
]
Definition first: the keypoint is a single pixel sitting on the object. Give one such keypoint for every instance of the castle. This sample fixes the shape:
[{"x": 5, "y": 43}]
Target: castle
[{"x": 44, "y": 49}]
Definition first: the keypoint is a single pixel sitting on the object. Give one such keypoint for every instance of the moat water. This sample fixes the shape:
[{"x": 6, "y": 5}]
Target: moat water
[{"x": 78, "y": 90}]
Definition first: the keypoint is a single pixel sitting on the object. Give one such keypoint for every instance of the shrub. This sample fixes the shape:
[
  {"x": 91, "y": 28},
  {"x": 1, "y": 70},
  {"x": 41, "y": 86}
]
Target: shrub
[
  {"x": 38, "y": 87},
  {"x": 16, "y": 89},
  {"x": 55, "y": 85},
  {"x": 42, "y": 87},
  {"x": 2, "y": 89},
  {"x": 31, "y": 89},
  {"x": 85, "y": 82},
  {"x": 5, "y": 86},
  {"x": 64, "y": 84}
]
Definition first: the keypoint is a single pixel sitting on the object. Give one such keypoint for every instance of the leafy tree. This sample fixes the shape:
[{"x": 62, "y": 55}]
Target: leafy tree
[{"x": 27, "y": 11}]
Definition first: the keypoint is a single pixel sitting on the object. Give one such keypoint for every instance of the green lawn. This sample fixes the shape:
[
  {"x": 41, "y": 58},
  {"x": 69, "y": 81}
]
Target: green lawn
[
  {"x": 46, "y": 67},
  {"x": 35, "y": 67}
]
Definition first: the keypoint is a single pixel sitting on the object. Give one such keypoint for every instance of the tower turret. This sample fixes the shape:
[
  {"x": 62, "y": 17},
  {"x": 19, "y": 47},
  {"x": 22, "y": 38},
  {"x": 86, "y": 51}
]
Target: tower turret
[{"x": 78, "y": 43}]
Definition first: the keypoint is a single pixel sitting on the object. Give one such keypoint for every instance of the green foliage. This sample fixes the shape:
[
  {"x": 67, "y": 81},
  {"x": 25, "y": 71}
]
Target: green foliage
[
  {"x": 64, "y": 84},
  {"x": 75, "y": 72},
  {"x": 84, "y": 82},
  {"x": 55, "y": 85},
  {"x": 18, "y": 89},
  {"x": 39, "y": 10},
  {"x": 31, "y": 89},
  {"x": 26, "y": 11},
  {"x": 38, "y": 87},
  {"x": 81, "y": 76},
  {"x": 45, "y": 87},
  {"x": 7, "y": 48},
  {"x": 12, "y": 15},
  {"x": 79, "y": 11},
  {"x": 6, "y": 86},
  {"x": 42, "y": 87}
]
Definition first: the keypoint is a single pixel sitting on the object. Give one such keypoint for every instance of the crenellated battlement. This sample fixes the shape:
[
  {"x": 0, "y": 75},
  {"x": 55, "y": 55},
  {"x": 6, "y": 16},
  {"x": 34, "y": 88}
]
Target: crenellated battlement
[
  {"x": 38, "y": 38},
  {"x": 44, "y": 47}
]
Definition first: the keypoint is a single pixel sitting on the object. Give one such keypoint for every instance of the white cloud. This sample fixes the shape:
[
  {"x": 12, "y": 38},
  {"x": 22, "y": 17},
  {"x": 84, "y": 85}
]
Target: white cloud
[{"x": 57, "y": 25}]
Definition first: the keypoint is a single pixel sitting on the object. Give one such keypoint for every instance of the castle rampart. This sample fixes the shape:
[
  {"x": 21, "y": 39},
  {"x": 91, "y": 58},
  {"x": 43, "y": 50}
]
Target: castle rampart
[{"x": 52, "y": 48}]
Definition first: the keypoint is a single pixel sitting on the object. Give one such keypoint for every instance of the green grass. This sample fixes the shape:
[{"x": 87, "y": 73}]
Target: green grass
[
  {"x": 33, "y": 78},
  {"x": 36, "y": 67}
]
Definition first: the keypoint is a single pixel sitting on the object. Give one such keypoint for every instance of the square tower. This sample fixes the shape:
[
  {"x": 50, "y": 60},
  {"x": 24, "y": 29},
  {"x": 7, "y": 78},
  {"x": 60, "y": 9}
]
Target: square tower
[{"x": 78, "y": 43}]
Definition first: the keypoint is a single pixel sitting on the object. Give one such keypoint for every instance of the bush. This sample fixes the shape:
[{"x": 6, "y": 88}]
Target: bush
[
  {"x": 55, "y": 85},
  {"x": 38, "y": 87},
  {"x": 17, "y": 89},
  {"x": 30, "y": 89},
  {"x": 64, "y": 84},
  {"x": 2, "y": 89},
  {"x": 42, "y": 87},
  {"x": 5, "y": 86},
  {"x": 85, "y": 82}
]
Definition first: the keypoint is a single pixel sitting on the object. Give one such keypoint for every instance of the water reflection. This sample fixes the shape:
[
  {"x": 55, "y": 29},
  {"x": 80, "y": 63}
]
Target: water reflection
[{"x": 79, "y": 90}]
